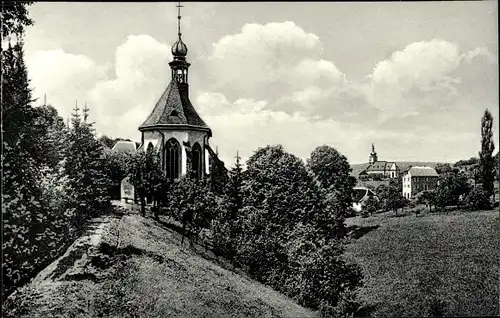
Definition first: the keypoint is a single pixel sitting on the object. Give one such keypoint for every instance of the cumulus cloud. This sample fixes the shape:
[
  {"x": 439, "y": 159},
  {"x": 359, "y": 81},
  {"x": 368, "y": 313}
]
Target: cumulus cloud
[
  {"x": 63, "y": 77},
  {"x": 270, "y": 84}
]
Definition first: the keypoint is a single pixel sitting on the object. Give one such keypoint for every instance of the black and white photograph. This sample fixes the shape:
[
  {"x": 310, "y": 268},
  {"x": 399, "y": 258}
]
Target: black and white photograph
[{"x": 250, "y": 159}]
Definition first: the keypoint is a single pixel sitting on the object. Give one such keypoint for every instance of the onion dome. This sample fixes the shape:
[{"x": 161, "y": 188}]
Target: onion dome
[{"x": 179, "y": 48}]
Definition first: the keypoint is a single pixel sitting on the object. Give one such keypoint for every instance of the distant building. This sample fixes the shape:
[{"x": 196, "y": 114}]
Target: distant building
[
  {"x": 360, "y": 195},
  {"x": 418, "y": 179},
  {"x": 125, "y": 146},
  {"x": 385, "y": 169}
]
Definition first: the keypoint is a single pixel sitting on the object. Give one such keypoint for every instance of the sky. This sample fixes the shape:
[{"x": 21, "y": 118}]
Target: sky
[{"x": 414, "y": 78}]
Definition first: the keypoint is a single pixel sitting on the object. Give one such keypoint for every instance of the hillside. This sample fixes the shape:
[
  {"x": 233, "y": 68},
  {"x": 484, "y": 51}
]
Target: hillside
[
  {"x": 437, "y": 264},
  {"x": 134, "y": 267}
]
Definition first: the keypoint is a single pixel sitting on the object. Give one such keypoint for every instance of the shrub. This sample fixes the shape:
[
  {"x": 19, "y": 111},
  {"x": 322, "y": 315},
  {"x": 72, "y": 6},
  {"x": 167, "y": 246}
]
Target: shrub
[{"x": 477, "y": 199}]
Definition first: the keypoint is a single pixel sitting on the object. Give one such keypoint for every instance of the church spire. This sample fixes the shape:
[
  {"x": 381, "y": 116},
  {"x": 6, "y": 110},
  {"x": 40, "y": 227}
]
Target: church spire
[
  {"x": 179, "y": 65},
  {"x": 373, "y": 155}
]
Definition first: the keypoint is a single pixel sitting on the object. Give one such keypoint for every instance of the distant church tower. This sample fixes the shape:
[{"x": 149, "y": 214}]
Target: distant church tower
[
  {"x": 174, "y": 129},
  {"x": 373, "y": 156}
]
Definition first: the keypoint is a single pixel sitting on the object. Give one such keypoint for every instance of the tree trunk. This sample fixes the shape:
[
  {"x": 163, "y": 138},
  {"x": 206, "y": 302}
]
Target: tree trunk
[{"x": 143, "y": 205}]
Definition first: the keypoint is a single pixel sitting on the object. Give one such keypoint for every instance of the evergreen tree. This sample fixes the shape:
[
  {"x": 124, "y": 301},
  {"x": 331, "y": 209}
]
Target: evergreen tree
[
  {"x": 486, "y": 153},
  {"x": 85, "y": 166}
]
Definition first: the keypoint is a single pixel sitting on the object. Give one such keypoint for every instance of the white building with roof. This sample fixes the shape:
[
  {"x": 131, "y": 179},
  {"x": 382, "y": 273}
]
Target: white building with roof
[
  {"x": 125, "y": 146},
  {"x": 418, "y": 179}
]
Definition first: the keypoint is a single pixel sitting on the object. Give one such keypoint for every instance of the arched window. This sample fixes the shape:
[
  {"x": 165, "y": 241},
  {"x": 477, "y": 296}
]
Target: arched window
[
  {"x": 196, "y": 162},
  {"x": 172, "y": 158},
  {"x": 150, "y": 147}
]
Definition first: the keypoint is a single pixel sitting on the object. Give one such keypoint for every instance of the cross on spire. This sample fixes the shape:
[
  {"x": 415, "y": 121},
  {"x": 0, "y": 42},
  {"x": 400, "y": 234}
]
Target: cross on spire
[{"x": 179, "y": 19}]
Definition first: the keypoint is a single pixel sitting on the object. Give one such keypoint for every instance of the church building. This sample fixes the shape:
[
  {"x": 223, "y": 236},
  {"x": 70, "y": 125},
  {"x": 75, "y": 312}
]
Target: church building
[
  {"x": 174, "y": 129},
  {"x": 384, "y": 169}
]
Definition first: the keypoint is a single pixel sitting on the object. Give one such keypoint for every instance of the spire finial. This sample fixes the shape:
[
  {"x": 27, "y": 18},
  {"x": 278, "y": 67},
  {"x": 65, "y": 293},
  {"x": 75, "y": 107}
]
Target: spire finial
[
  {"x": 373, "y": 148},
  {"x": 179, "y": 19},
  {"x": 44, "y": 99}
]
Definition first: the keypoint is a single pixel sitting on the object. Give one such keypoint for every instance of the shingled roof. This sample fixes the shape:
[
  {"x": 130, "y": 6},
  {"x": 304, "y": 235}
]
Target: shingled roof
[
  {"x": 423, "y": 172},
  {"x": 174, "y": 108}
]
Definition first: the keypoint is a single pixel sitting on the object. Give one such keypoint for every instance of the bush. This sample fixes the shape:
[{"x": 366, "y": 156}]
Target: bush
[{"x": 477, "y": 199}]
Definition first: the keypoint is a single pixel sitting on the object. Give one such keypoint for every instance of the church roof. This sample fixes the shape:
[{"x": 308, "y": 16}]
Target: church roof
[{"x": 174, "y": 108}]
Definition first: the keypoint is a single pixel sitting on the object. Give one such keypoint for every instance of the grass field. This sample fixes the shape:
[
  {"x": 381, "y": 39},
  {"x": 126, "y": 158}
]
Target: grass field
[
  {"x": 140, "y": 269},
  {"x": 432, "y": 264}
]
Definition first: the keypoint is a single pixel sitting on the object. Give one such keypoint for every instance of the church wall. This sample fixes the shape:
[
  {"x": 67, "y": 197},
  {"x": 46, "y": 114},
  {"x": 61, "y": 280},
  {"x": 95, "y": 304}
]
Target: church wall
[{"x": 191, "y": 136}]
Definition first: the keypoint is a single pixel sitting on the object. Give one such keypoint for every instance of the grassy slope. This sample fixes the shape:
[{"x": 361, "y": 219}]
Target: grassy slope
[
  {"x": 149, "y": 274},
  {"x": 413, "y": 262}
]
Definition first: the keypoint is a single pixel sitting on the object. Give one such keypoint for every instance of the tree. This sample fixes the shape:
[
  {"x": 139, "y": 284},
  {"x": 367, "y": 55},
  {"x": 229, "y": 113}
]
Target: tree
[
  {"x": 332, "y": 170},
  {"x": 452, "y": 187},
  {"x": 21, "y": 179},
  {"x": 486, "y": 153},
  {"x": 477, "y": 199},
  {"x": 117, "y": 165},
  {"x": 427, "y": 197},
  {"x": 390, "y": 196},
  {"x": 15, "y": 18},
  {"x": 108, "y": 142},
  {"x": 225, "y": 227},
  {"x": 370, "y": 206},
  {"x": 443, "y": 168},
  {"x": 85, "y": 166},
  {"x": 288, "y": 235}
]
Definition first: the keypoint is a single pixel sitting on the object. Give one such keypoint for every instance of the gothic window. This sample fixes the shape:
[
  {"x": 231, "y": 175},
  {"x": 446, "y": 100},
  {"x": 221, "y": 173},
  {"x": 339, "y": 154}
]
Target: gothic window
[
  {"x": 196, "y": 161},
  {"x": 172, "y": 158},
  {"x": 150, "y": 147}
]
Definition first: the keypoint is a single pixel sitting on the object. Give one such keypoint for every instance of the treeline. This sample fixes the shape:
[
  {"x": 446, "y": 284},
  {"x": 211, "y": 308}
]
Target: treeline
[
  {"x": 53, "y": 176},
  {"x": 280, "y": 220}
]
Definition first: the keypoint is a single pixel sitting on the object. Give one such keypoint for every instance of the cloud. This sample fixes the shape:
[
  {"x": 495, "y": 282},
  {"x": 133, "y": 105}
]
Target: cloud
[
  {"x": 270, "y": 84},
  {"x": 63, "y": 77},
  {"x": 425, "y": 77}
]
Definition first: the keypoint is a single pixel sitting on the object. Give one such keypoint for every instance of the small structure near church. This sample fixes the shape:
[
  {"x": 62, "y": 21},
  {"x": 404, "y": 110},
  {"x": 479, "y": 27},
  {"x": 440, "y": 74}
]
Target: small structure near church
[{"x": 127, "y": 190}]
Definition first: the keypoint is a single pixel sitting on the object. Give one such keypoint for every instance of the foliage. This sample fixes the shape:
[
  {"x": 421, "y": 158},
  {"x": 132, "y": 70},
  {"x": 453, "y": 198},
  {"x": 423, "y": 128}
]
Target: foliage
[
  {"x": 191, "y": 202},
  {"x": 427, "y": 197},
  {"x": 390, "y": 196},
  {"x": 106, "y": 141},
  {"x": 15, "y": 18},
  {"x": 225, "y": 227},
  {"x": 147, "y": 177},
  {"x": 21, "y": 179},
  {"x": 451, "y": 188},
  {"x": 85, "y": 166},
  {"x": 469, "y": 162},
  {"x": 332, "y": 170},
  {"x": 117, "y": 168},
  {"x": 443, "y": 168},
  {"x": 370, "y": 206},
  {"x": 487, "y": 162},
  {"x": 288, "y": 230},
  {"x": 477, "y": 199}
]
